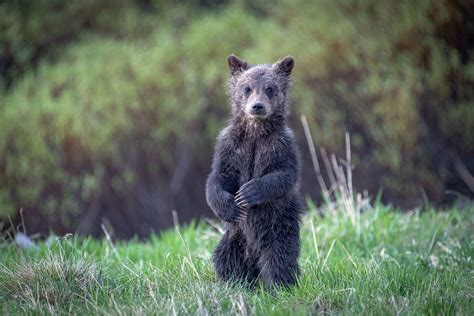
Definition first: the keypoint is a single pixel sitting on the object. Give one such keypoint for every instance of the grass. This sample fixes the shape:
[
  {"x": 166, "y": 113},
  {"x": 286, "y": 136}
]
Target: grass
[{"x": 384, "y": 262}]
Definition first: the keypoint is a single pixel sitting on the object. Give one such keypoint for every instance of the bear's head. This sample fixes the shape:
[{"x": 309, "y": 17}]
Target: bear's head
[{"x": 259, "y": 92}]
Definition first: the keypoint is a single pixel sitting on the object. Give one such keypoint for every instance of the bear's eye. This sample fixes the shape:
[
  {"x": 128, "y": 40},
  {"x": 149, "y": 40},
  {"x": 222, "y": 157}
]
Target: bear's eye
[
  {"x": 247, "y": 90},
  {"x": 269, "y": 91}
]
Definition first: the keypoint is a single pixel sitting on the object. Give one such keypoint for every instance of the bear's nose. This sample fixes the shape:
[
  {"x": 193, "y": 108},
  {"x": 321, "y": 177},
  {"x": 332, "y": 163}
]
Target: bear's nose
[{"x": 257, "y": 107}]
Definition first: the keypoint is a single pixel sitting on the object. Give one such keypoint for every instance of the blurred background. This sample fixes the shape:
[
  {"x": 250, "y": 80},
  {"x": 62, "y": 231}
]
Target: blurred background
[{"x": 109, "y": 109}]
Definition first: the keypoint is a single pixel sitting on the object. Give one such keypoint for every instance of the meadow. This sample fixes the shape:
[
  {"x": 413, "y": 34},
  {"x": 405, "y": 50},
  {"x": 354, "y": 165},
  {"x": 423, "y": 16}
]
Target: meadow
[
  {"x": 378, "y": 261},
  {"x": 109, "y": 111}
]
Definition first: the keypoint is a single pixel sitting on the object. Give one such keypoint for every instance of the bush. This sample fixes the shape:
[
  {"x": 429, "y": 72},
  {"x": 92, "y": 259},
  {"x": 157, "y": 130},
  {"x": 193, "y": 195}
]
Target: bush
[
  {"x": 98, "y": 128},
  {"x": 380, "y": 71}
]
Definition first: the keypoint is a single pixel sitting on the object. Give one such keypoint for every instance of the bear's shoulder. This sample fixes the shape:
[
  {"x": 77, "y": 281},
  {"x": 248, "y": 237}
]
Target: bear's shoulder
[{"x": 225, "y": 143}]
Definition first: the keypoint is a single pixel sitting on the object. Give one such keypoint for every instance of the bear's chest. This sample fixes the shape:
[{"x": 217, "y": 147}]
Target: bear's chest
[{"x": 254, "y": 159}]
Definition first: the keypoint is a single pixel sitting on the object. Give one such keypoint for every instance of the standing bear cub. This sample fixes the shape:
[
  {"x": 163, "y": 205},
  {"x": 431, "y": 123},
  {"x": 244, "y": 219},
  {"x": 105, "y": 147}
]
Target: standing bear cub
[{"x": 254, "y": 182}]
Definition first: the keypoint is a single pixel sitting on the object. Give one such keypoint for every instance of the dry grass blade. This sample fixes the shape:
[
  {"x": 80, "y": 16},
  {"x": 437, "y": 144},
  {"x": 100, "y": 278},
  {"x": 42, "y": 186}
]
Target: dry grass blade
[
  {"x": 339, "y": 194},
  {"x": 314, "y": 157}
]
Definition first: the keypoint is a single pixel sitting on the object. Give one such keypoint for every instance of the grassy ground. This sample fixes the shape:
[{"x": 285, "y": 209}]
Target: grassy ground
[{"x": 381, "y": 262}]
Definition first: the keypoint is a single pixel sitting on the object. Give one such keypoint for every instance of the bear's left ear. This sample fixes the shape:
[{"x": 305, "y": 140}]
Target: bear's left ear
[
  {"x": 236, "y": 65},
  {"x": 285, "y": 66}
]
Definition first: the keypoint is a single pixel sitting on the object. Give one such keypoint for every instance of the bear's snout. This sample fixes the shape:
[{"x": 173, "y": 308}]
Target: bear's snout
[{"x": 258, "y": 109}]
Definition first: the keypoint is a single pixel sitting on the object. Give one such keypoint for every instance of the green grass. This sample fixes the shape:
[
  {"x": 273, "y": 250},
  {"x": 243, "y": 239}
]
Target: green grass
[{"x": 384, "y": 262}]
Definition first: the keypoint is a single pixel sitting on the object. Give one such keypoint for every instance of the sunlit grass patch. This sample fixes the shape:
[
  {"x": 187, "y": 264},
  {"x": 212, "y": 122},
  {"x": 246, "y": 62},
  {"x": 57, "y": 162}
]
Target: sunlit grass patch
[
  {"x": 55, "y": 279},
  {"x": 386, "y": 262}
]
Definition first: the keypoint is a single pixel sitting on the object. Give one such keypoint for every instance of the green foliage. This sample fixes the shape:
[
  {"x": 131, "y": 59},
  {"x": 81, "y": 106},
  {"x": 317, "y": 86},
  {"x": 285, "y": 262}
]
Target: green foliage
[
  {"x": 32, "y": 30},
  {"x": 106, "y": 115},
  {"x": 385, "y": 263},
  {"x": 109, "y": 107},
  {"x": 376, "y": 70}
]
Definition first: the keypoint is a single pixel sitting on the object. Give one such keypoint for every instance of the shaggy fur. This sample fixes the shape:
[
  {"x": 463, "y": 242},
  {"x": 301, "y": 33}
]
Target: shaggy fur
[{"x": 254, "y": 183}]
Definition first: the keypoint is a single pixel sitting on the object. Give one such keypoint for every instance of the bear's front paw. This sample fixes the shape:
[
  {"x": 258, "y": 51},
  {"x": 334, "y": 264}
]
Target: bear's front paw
[
  {"x": 242, "y": 215},
  {"x": 249, "y": 194},
  {"x": 234, "y": 213}
]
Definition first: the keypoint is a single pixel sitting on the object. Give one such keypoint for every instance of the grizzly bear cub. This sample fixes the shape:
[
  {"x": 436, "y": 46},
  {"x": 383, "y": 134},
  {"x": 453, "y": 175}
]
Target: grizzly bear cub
[{"x": 254, "y": 182}]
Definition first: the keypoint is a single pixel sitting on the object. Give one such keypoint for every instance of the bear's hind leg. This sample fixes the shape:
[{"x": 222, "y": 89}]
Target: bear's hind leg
[
  {"x": 278, "y": 261},
  {"x": 229, "y": 258}
]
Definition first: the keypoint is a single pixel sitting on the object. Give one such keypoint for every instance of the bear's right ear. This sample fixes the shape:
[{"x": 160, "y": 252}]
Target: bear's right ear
[
  {"x": 236, "y": 65},
  {"x": 285, "y": 66}
]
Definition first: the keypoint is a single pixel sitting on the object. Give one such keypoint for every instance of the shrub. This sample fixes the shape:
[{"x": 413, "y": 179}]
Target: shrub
[
  {"x": 93, "y": 134},
  {"x": 119, "y": 127}
]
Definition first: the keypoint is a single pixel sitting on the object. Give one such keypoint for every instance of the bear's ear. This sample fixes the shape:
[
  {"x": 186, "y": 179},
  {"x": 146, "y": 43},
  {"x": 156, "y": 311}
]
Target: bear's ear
[
  {"x": 236, "y": 65},
  {"x": 285, "y": 66}
]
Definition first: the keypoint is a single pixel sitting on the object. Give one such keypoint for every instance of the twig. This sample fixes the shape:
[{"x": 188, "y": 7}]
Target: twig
[
  {"x": 462, "y": 171},
  {"x": 23, "y": 221},
  {"x": 174, "y": 214},
  {"x": 348, "y": 165},
  {"x": 329, "y": 171},
  {"x": 107, "y": 236},
  {"x": 314, "y": 157}
]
